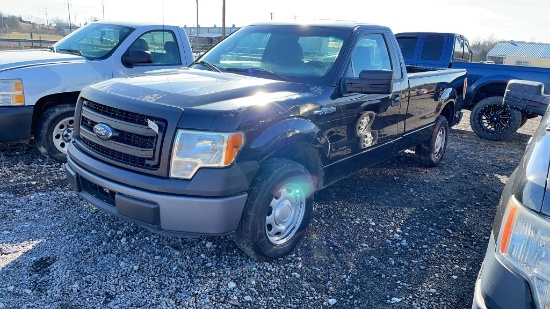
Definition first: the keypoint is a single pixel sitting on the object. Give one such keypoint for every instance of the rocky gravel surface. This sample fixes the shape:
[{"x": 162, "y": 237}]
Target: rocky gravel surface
[{"x": 394, "y": 236}]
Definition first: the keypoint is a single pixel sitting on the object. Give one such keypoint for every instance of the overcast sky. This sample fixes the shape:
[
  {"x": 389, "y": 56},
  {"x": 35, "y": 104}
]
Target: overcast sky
[{"x": 519, "y": 20}]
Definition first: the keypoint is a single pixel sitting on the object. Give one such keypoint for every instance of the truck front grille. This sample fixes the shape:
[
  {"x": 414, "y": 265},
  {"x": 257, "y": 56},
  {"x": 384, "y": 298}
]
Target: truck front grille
[
  {"x": 116, "y": 113},
  {"x": 134, "y": 141}
]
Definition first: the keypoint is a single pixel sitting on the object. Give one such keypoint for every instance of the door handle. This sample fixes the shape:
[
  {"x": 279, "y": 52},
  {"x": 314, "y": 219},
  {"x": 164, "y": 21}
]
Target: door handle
[{"x": 396, "y": 99}]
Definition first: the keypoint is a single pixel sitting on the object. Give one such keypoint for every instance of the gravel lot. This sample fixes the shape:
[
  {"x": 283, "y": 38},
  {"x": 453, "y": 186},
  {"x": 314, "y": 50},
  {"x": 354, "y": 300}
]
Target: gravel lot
[{"x": 394, "y": 236}]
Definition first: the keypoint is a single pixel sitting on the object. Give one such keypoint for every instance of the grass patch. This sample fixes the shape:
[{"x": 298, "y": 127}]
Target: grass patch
[{"x": 27, "y": 36}]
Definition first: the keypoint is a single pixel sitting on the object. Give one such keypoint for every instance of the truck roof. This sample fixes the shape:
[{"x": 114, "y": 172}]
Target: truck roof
[
  {"x": 130, "y": 23},
  {"x": 422, "y": 32},
  {"x": 339, "y": 24}
]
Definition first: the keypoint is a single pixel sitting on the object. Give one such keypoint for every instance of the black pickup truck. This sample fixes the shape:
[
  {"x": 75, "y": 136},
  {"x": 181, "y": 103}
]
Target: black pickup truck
[{"x": 239, "y": 142}]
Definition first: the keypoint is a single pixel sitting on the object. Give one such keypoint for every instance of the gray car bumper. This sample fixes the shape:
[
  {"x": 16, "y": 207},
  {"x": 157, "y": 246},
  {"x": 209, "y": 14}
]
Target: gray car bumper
[
  {"x": 169, "y": 214},
  {"x": 497, "y": 286}
]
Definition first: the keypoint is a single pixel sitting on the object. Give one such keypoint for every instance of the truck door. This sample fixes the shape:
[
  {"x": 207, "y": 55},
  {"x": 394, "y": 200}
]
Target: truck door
[
  {"x": 164, "y": 49},
  {"x": 373, "y": 122}
]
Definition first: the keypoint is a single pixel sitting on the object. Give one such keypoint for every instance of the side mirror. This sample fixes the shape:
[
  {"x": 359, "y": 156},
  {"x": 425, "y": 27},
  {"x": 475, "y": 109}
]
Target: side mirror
[
  {"x": 369, "y": 82},
  {"x": 137, "y": 57}
]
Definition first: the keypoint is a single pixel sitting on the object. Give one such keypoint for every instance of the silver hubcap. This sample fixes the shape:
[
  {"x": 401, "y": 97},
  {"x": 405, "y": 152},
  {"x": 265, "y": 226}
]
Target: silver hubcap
[
  {"x": 439, "y": 142},
  {"x": 285, "y": 214},
  {"x": 62, "y": 134}
]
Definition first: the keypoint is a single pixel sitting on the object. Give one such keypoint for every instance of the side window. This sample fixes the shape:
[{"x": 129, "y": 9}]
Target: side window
[
  {"x": 370, "y": 53},
  {"x": 458, "y": 52},
  {"x": 433, "y": 46},
  {"x": 407, "y": 45},
  {"x": 161, "y": 44}
]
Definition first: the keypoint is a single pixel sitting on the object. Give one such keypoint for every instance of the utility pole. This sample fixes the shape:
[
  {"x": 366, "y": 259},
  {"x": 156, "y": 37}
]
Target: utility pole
[
  {"x": 69, "y": 9},
  {"x": 103, "y": 6},
  {"x": 223, "y": 19},
  {"x": 197, "y": 24}
]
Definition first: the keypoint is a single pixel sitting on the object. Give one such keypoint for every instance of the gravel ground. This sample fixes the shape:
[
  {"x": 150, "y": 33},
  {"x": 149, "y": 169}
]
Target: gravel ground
[{"x": 394, "y": 236}]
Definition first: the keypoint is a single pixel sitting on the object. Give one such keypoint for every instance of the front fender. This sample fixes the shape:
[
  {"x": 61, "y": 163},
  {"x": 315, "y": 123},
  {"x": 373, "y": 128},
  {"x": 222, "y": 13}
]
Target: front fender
[
  {"x": 283, "y": 133},
  {"x": 43, "y": 80}
]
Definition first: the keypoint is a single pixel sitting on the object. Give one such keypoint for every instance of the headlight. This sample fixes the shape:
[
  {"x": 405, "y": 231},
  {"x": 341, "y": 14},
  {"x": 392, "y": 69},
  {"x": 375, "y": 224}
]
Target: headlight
[
  {"x": 195, "y": 149},
  {"x": 524, "y": 242},
  {"x": 11, "y": 92}
]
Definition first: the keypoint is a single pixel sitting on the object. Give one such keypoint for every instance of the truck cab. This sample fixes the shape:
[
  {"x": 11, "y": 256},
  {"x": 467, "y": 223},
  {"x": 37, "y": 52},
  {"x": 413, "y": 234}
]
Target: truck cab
[{"x": 434, "y": 49}]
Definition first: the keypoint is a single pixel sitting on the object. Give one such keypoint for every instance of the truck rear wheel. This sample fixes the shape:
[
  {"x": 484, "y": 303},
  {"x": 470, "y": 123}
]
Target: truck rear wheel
[
  {"x": 54, "y": 132},
  {"x": 493, "y": 121},
  {"x": 278, "y": 210},
  {"x": 430, "y": 153}
]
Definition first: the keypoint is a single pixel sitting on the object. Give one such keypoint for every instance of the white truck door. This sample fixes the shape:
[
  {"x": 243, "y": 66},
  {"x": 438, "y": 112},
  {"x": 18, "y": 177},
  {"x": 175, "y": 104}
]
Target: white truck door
[{"x": 163, "y": 46}]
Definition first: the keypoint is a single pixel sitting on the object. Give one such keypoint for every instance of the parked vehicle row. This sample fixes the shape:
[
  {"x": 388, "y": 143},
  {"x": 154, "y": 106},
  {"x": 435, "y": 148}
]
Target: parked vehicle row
[{"x": 240, "y": 141}]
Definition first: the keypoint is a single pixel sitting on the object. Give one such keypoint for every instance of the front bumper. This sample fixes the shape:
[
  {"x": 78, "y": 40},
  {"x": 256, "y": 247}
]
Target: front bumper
[
  {"x": 15, "y": 123},
  {"x": 158, "y": 210},
  {"x": 498, "y": 286}
]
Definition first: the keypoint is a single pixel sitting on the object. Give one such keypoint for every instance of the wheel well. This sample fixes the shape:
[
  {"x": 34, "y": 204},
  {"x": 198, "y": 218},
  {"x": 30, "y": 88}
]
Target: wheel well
[
  {"x": 50, "y": 101},
  {"x": 305, "y": 154},
  {"x": 489, "y": 90}
]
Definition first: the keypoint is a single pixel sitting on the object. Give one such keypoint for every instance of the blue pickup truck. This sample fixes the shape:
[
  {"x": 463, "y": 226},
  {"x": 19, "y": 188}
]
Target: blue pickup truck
[{"x": 486, "y": 82}]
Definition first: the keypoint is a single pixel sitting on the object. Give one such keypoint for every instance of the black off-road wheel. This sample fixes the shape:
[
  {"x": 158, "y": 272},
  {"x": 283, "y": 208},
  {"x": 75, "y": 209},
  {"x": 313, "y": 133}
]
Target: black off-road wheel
[
  {"x": 54, "y": 132},
  {"x": 278, "y": 210},
  {"x": 430, "y": 153},
  {"x": 493, "y": 121}
]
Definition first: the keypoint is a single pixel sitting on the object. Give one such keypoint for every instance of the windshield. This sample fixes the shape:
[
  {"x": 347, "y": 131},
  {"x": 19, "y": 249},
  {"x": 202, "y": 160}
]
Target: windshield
[
  {"x": 95, "y": 41},
  {"x": 298, "y": 53}
]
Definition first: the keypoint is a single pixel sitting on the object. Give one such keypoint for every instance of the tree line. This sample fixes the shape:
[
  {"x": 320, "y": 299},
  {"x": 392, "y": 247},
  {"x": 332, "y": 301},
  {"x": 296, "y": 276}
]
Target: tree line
[
  {"x": 57, "y": 25},
  {"x": 10, "y": 21},
  {"x": 482, "y": 47}
]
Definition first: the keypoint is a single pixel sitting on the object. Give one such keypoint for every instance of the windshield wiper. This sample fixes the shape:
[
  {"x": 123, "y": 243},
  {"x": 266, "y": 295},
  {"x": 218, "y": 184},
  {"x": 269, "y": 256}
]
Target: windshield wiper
[
  {"x": 209, "y": 65},
  {"x": 71, "y": 51},
  {"x": 258, "y": 72}
]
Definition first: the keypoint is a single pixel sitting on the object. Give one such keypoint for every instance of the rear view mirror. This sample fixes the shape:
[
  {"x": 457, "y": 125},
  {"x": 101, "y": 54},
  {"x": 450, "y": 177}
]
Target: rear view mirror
[
  {"x": 137, "y": 57},
  {"x": 369, "y": 82}
]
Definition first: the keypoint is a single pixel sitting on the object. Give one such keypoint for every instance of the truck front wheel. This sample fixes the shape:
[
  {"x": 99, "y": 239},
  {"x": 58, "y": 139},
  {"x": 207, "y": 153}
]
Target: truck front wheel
[
  {"x": 492, "y": 120},
  {"x": 431, "y": 151},
  {"x": 278, "y": 210},
  {"x": 54, "y": 132}
]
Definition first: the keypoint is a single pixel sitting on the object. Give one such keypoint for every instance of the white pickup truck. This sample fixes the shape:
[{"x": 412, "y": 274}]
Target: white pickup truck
[{"x": 39, "y": 88}]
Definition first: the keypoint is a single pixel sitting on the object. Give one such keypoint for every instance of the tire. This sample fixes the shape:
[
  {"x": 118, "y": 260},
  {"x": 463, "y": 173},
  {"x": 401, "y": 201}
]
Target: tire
[
  {"x": 278, "y": 210},
  {"x": 430, "y": 153},
  {"x": 493, "y": 121},
  {"x": 54, "y": 131}
]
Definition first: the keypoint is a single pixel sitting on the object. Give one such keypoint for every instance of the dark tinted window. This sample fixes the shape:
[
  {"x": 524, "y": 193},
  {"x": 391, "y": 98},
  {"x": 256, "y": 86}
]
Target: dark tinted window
[
  {"x": 407, "y": 45},
  {"x": 433, "y": 46}
]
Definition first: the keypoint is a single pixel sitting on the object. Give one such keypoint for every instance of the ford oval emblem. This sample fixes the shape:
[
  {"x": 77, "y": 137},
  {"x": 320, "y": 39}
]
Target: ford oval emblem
[{"x": 103, "y": 131}]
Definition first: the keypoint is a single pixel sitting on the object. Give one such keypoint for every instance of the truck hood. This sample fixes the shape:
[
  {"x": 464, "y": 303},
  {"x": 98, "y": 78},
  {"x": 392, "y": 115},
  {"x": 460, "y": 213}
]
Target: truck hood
[
  {"x": 190, "y": 88},
  {"x": 14, "y": 59}
]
